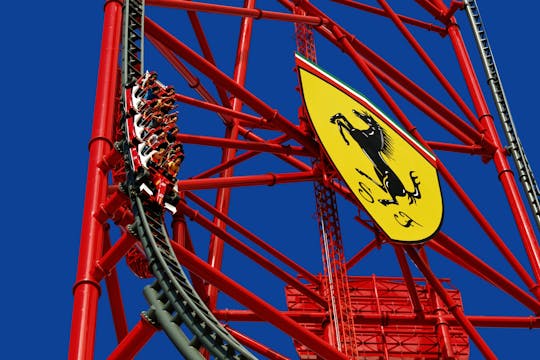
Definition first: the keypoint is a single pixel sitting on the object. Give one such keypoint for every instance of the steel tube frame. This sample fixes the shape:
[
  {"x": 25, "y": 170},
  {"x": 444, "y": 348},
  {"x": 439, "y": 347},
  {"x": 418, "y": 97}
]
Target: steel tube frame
[
  {"x": 506, "y": 175},
  {"x": 255, "y": 345},
  {"x": 92, "y": 269},
  {"x": 192, "y": 80},
  {"x": 182, "y": 237},
  {"x": 454, "y": 308},
  {"x": 207, "y": 52},
  {"x": 444, "y": 245},
  {"x": 432, "y": 67},
  {"x": 113, "y": 255},
  {"x": 134, "y": 341},
  {"x": 117, "y": 305},
  {"x": 86, "y": 290},
  {"x": 246, "y": 13},
  {"x": 464, "y": 149},
  {"x": 386, "y": 71},
  {"x": 115, "y": 298},
  {"x": 273, "y": 116},
  {"x": 247, "y": 118},
  {"x": 270, "y": 116},
  {"x": 408, "y": 20},
  {"x": 442, "y": 328},
  {"x": 457, "y": 127},
  {"x": 266, "y": 311},
  {"x": 247, "y": 180},
  {"x": 256, "y": 240},
  {"x": 241, "y": 144},
  {"x": 361, "y": 254},
  {"x": 390, "y": 319},
  {"x": 223, "y": 196},
  {"x": 409, "y": 281},
  {"x": 374, "y": 81},
  {"x": 489, "y": 230},
  {"x": 250, "y": 253},
  {"x": 249, "y": 154}
]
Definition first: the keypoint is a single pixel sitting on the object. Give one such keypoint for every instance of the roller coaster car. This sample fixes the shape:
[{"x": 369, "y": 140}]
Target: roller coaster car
[
  {"x": 156, "y": 189},
  {"x": 170, "y": 118},
  {"x": 158, "y": 91},
  {"x": 157, "y": 105},
  {"x": 155, "y": 151},
  {"x": 144, "y": 83}
]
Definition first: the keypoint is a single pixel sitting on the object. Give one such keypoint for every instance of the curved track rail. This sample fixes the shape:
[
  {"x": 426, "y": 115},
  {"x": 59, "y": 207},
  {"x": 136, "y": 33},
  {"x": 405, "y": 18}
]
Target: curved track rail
[{"x": 173, "y": 301}]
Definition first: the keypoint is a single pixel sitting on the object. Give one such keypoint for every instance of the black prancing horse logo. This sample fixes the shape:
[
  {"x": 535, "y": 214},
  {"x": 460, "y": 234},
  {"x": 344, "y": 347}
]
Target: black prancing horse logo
[{"x": 374, "y": 141}]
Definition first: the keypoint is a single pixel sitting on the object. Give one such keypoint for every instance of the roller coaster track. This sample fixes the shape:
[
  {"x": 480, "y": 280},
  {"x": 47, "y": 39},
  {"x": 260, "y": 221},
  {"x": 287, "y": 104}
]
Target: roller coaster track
[
  {"x": 173, "y": 301},
  {"x": 515, "y": 147}
]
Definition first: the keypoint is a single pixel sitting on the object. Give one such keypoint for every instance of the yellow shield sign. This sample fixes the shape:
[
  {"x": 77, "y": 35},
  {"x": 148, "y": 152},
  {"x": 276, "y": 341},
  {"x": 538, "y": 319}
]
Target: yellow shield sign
[{"x": 390, "y": 173}]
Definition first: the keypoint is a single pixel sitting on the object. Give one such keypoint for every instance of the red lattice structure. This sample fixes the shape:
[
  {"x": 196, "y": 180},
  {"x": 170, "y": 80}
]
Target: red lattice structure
[
  {"x": 387, "y": 324},
  {"x": 249, "y": 223}
]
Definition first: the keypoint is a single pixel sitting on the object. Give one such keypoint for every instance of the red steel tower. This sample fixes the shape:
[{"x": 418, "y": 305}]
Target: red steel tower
[{"x": 209, "y": 181}]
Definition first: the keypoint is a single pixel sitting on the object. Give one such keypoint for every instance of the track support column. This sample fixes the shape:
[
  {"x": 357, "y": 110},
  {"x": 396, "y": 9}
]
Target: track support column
[
  {"x": 506, "y": 175},
  {"x": 87, "y": 290}
]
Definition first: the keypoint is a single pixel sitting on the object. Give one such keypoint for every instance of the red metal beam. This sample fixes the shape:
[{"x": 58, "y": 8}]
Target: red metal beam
[
  {"x": 250, "y": 253},
  {"x": 436, "y": 10},
  {"x": 227, "y": 118},
  {"x": 182, "y": 237},
  {"x": 255, "y": 345},
  {"x": 442, "y": 327},
  {"x": 389, "y": 319},
  {"x": 113, "y": 255},
  {"x": 248, "y": 180},
  {"x": 195, "y": 83},
  {"x": 506, "y": 175},
  {"x": 449, "y": 248},
  {"x": 86, "y": 290},
  {"x": 452, "y": 306},
  {"x": 215, "y": 252},
  {"x": 379, "y": 66},
  {"x": 239, "y": 144},
  {"x": 134, "y": 341},
  {"x": 249, "y": 154},
  {"x": 192, "y": 80},
  {"x": 264, "y": 310},
  {"x": 453, "y": 124},
  {"x": 219, "y": 168},
  {"x": 252, "y": 13},
  {"x": 362, "y": 253},
  {"x": 218, "y": 76},
  {"x": 246, "y": 118},
  {"x": 408, "y": 20},
  {"x": 205, "y": 47},
  {"x": 464, "y": 149},
  {"x": 431, "y": 65},
  {"x": 409, "y": 281},
  {"x": 488, "y": 229},
  {"x": 115, "y": 298},
  {"x": 255, "y": 239}
]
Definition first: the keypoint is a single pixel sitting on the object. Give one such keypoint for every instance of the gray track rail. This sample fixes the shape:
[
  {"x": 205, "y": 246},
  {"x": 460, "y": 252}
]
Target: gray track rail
[
  {"x": 526, "y": 175},
  {"x": 174, "y": 304},
  {"x": 173, "y": 301}
]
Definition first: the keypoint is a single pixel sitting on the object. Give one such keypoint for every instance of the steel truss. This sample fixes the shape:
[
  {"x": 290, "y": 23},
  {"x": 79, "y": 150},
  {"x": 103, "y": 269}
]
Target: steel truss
[{"x": 259, "y": 143}]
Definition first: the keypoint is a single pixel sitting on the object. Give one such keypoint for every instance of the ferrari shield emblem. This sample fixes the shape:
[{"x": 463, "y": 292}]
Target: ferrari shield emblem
[{"x": 392, "y": 175}]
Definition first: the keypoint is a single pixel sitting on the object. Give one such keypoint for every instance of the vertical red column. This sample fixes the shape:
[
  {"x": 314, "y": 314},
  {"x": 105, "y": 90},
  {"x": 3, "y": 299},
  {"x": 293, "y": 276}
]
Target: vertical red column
[
  {"x": 86, "y": 290},
  {"x": 506, "y": 175},
  {"x": 223, "y": 196}
]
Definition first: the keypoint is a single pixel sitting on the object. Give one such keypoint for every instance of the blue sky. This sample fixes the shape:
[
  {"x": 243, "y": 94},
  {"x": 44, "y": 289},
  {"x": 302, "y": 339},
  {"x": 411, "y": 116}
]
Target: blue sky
[{"x": 50, "y": 64}]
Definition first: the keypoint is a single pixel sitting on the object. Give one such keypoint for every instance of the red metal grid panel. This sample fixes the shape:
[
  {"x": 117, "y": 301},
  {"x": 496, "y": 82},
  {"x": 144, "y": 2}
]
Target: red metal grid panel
[{"x": 386, "y": 324}]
